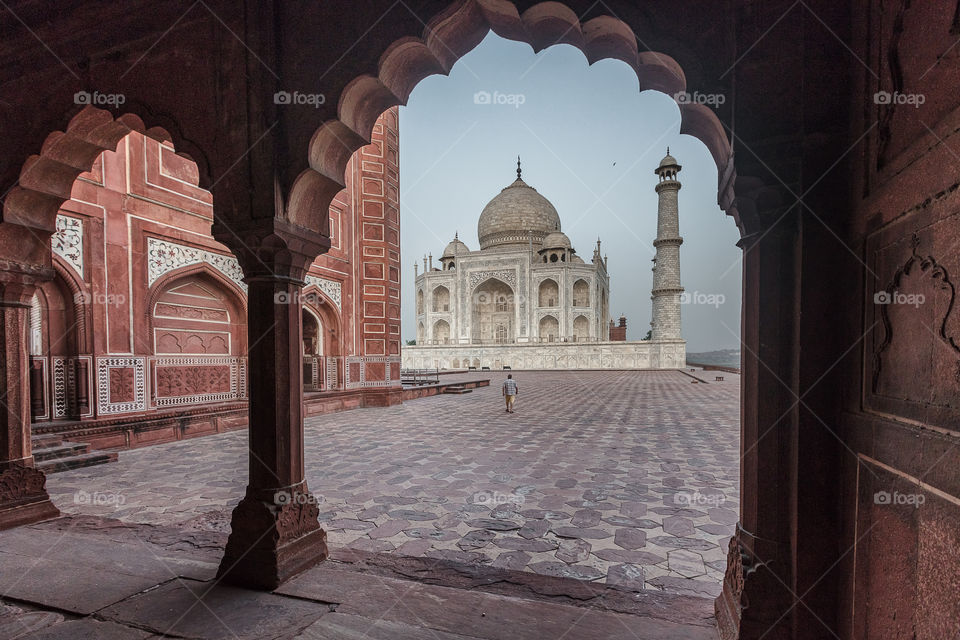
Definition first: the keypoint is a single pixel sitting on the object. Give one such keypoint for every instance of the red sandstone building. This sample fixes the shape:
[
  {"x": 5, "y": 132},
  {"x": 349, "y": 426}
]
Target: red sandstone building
[
  {"x": 835, "y": 147},
  {"x": 141, "y": 336},
  {"x": 618, "y": 332}
]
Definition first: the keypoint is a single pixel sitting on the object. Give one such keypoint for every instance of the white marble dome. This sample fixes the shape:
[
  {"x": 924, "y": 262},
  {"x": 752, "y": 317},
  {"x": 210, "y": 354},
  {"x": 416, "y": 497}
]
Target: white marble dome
[
  {"x": 455, "y": 248},
  {"x": 557, "y": 240},
  {"x": 515, "y": 216}
]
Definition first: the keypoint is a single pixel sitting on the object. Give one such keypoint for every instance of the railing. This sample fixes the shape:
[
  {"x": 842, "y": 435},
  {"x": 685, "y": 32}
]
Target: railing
[
  {"x": 419, "y": 377},
  {"x": 476, "y": 341},
  {"x": 312, "y": 373},
  {"x": 320, "y": 373},
  {"x": 714, "y": 367}
]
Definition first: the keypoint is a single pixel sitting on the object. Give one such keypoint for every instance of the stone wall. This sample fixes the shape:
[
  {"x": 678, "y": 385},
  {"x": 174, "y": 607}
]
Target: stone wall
[
  {"x": 147, "y": 311},
  {"x": 571, "y": 355}
]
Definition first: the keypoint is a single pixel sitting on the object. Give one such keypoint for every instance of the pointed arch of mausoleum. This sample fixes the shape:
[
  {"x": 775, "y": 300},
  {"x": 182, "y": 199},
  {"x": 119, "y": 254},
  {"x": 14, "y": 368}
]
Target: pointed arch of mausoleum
[
  {"x": 238, "y": 295},
  {"x": 80, "y": 295},
  {"x": 548, "y": 293},
  {"x": 440, "y": 297},
  {"x": 234, "y": 298},
  {"x": 446, "y": 38},
  {"x": 321, "y": 305}
]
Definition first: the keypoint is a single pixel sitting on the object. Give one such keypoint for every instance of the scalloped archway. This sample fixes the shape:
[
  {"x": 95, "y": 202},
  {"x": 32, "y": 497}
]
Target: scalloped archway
[
  {"x": 47, "y": 178},
  {"x": 450, "y": 35}
]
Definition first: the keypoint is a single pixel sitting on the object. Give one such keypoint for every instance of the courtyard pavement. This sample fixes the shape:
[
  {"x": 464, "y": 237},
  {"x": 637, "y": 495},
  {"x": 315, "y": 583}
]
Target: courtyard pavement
[{"x": 628, "y": 478}]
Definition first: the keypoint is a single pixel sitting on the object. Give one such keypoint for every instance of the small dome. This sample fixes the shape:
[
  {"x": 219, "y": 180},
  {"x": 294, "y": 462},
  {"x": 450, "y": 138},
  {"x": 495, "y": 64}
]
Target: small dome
[
  {"x": 668, "y": 161},
  {"x": 455, "y": 248},
  {"x": 516, "y": 216},
  {"x": 576, "y": 259},
  {"x": 556, "y": 240}
]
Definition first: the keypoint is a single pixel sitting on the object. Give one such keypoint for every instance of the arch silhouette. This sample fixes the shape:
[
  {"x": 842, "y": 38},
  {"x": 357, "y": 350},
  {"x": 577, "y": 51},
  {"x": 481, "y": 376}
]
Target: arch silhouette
[
  {"x": 328, "y": 316},
  {"x": 447, "y": 37},
  {"x": 440, "y": 298},
  {"x": 81, "y": 310},
  {"x": 46, "y": 179},
  {"x": 238, "y": 295},
  {"x": 548, "y": 293},
  {"x": 234, "y": 297},
  {"x": 441, "y": 331}
]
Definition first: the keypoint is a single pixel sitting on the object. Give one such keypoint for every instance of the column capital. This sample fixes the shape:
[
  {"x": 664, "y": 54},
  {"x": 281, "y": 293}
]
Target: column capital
[
  {"x": 272, "y": 249},
  {"x": 18, "y": 282},
  {"x": 760, "y": 206}
]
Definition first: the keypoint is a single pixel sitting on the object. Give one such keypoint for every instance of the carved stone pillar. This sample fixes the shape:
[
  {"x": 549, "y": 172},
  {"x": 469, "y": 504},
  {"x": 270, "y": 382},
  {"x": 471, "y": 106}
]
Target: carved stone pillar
[
  {"x": 83, "y": 384},
  {"x": 757, "y": 594},
  {"x": 38, "y": 396},
  {"x": 23, "y": 494},
  {"x": 274, "y": 532}
]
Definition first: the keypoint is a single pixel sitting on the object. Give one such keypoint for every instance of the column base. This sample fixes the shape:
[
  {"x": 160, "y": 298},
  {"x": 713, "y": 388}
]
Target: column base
[
  {"x": 274, "y": 535},
  {"x": 728, "y": 606},
  {"x": 754, "y": 602},
  {"x": 23, "y": 496}
]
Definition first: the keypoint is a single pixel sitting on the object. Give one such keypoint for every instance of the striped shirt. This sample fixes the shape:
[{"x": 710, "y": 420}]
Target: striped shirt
[{"x": 510, "y": 387}]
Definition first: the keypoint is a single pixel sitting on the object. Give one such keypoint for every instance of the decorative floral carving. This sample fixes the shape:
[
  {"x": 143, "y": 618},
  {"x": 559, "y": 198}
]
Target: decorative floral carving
[
  {"x": 110, "y": 386},
  {"x": 734, "y": 574},
  {"x": 298, "y": 517},
  {"x": 164, "y": 256},
  {"x": 184, "y": 380},
  {"x": 67, "y": 242},
  {"x": 122, "y": 387},
  {"x": 18, "y": 483},
  {"x": 508, "y": 276},
  {"x": 920, "y": 287},
  {"x": 329, "y": 287}
]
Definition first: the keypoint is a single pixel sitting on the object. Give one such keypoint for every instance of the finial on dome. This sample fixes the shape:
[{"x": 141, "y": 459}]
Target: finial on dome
[
  {"x": 518, "y": 168},
  {"x": 668, "y": 150},
  {"x": 456, "y": 235}
]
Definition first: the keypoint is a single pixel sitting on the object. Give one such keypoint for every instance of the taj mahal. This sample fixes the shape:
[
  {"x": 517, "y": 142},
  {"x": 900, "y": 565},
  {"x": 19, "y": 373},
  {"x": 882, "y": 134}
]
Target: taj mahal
[{"x": 527, "y": 300}]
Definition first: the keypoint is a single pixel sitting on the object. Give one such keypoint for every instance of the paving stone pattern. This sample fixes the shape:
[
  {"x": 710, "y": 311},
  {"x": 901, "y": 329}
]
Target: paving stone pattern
[{"x": 625, "y": 477}]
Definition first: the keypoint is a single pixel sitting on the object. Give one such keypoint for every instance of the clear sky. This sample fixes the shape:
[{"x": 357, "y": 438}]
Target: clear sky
[{"x": 589, "y": 140}]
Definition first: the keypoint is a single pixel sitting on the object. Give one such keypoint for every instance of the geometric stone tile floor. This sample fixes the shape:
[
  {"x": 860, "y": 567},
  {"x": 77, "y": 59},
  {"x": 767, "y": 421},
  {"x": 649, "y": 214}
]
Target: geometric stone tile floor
[{"x": 628, "y": 478}]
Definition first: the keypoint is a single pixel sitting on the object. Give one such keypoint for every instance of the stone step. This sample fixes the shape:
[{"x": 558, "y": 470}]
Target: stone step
[
  {"x": 42, "y": 442},
  {"x": 48, "y": 451},
  {"x": 457, "y": 390},
  {"x": 88, "y": 459}
]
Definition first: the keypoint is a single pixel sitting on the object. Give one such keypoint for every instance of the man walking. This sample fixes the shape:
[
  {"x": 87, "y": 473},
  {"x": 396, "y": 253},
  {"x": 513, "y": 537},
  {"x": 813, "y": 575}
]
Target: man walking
[{"x": 510, "y": 390}]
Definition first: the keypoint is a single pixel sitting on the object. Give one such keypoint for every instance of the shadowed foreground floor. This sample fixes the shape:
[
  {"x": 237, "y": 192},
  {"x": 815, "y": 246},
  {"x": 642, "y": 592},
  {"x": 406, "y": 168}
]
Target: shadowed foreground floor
[{"x": 87, "y": 577}]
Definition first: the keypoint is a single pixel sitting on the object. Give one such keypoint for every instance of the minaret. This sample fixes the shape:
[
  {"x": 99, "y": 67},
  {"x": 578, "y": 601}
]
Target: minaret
[{"x": 666, "y": 275}]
